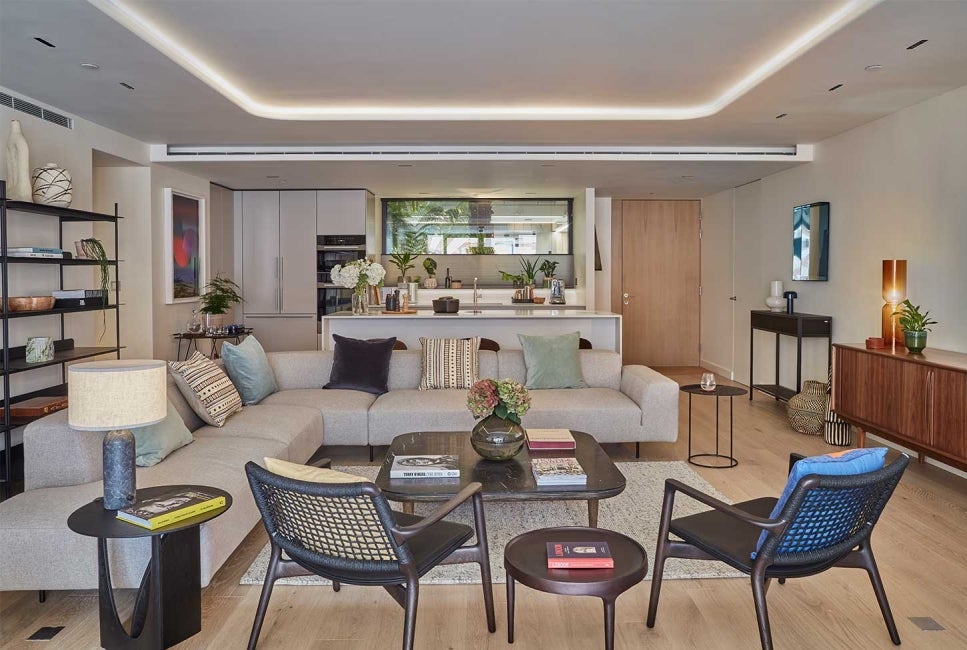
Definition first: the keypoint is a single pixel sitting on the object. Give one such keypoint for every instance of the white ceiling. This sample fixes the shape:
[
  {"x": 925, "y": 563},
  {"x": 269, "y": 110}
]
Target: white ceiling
[{"x": 484, "y": 52}]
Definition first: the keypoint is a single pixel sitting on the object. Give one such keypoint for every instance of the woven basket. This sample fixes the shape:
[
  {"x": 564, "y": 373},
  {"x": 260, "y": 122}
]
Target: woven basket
[{"x": 807, "y": 410}]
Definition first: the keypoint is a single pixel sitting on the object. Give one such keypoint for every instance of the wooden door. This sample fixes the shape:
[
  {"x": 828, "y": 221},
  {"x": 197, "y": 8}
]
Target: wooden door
[
  {"x": 297, "y": 249},
  {"x": 260, "y": 252},
  {"x": 658, "y": 245}
]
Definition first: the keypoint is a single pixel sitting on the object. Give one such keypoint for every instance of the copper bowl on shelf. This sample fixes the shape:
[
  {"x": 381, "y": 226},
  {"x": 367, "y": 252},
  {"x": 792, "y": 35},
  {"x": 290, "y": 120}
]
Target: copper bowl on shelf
[
  {"x": 539, "y": 301},
  {"x": 30, "y": 303}
]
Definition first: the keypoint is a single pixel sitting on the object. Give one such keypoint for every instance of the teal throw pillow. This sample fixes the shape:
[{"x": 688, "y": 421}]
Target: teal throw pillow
[
  {"x": 154, "y": 442},
  {"x": 552, "y": 361},
  {"x": 840, "y": 463},
  {"x": 249, "y": 369}
]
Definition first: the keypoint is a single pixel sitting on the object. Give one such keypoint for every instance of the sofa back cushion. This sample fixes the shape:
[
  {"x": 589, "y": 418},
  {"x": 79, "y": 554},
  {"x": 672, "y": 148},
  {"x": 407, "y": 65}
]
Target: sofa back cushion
[
  {"x": 307, "y": 369},
  {"x": 406, "y": 368},
  {"x": 600, "y": 368},
  {"x": 180, "y": 404}
]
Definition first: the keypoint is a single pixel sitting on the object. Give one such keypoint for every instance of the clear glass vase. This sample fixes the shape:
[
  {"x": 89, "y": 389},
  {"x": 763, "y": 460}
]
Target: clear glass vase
[
  {"x": 496, "y": 438},
  {"x": 360, "y": 301}
]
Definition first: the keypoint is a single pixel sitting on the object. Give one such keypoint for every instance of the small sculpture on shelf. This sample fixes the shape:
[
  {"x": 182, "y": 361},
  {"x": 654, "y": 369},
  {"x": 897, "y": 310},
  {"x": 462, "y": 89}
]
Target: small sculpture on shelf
[
  {"x": 18, "y": 165},
  {"x": 52, "y": 185}
]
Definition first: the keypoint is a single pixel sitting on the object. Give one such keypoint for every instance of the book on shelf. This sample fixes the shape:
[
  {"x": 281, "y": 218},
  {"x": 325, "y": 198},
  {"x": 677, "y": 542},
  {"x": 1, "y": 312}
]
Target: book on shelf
[
  {"x": 33, "y": 254},
  {"x": 425, "y": 466},
  {"x": 77, "y": 293},
  {"x": 579, "y": 555},
  {"x": 170, "y": 507},
  {"x": 12, "y": 250},
  {"x": 550, "y": 439},
  {"x": 558, "y": 471},
  {"x": 36, "y": 407}
]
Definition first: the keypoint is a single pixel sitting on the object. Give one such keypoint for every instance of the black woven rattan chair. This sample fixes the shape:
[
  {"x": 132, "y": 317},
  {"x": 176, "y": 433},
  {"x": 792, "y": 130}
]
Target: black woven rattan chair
[
  {"x": 348, "y": 533},
  {"x": 839, "y": 509}
]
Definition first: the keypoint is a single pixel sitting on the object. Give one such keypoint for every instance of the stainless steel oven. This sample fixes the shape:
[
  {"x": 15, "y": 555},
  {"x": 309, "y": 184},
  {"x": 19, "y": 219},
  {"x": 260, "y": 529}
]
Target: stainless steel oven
[
  {"x": 330, "y": 251},
  {"x": 333, "y": 298}
]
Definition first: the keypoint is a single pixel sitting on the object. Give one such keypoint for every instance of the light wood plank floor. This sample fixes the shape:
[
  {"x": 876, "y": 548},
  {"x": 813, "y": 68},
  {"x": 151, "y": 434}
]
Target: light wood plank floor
[{"x": 919, "y": 545}]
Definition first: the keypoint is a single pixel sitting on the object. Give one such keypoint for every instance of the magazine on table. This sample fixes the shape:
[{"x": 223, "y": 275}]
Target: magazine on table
[
  {"x": 579, "y": 555},
  {"x": 425, "y": 466},
  {"x": 170, "y": 507},
  {"x": 558, "y": 471}
]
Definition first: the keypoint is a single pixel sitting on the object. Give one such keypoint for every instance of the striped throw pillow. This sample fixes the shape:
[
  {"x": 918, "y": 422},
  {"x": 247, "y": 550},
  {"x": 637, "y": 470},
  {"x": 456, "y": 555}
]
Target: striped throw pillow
[
  {"x": 209, "y": 391},
  {"x": 449, "y": 363},
  {"x": 836, "y": 431}
]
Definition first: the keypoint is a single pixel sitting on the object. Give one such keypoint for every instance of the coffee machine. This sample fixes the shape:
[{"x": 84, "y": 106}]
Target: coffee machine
[{"x": 557, "y": 292}]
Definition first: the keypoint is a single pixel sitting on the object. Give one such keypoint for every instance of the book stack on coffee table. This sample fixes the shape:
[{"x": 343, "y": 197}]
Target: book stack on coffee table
[
  {"x": 550, "y": 440},
  {"x": 425, "y": 466},
  {"x": 170, "y": 507},
  {"x": 558, "y": 471}
]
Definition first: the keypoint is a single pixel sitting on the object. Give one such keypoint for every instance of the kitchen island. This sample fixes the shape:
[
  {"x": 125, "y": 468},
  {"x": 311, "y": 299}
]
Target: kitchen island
[{"x": 602, "y": 329}]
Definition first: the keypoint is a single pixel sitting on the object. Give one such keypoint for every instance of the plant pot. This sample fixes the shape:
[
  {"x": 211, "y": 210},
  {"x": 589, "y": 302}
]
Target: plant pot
[
  {"x": 430, "y": 283},
  {"x": 496, "y": 438},
  {"x": 214, "y": 321},
  {"x": 915, "y": 341}
]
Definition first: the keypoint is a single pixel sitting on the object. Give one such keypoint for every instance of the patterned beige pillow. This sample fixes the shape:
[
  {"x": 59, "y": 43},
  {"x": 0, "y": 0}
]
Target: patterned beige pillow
[
  {"x": 449, "y": 363},
  {"x": 209, "y": 391}
]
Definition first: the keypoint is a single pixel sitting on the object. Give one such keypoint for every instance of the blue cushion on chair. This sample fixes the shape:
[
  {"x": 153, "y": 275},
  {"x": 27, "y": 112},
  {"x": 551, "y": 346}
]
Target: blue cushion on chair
[{"x": 841, "y": 463}]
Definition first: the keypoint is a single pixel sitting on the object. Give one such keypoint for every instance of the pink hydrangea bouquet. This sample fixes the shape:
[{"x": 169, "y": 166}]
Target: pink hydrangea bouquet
[{"x": 506, "y": 399}]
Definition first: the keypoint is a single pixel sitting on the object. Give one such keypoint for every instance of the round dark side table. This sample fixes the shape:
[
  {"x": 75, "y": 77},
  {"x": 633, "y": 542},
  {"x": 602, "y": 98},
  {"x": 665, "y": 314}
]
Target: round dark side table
[
  {"x": 525, "y": 560},
  {"x": 720, "y": 391},
  {"x": 167, "y": 609}
]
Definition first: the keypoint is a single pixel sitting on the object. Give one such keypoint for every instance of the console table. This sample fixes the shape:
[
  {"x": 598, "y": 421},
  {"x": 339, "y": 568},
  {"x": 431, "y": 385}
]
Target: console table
[
  {"x": 917, "y": 400},
  {"x": 801, "y": 326}
]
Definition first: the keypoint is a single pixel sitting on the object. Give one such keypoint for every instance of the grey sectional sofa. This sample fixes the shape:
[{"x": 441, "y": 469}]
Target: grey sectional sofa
[{"x": 63, "y": 466}]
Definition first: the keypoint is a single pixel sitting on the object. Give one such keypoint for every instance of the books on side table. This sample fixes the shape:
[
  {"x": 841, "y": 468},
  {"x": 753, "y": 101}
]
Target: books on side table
[
  {"x": 579, "y": 555},
  {"x": 558, "y": 471},
  {"x": 170, "y": 507},
  {"x": 425, "y": 466},
  {"x": 550, "y": 439}
]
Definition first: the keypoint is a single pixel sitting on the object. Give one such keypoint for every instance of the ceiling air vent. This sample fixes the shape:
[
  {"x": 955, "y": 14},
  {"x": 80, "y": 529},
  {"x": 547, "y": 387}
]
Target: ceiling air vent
[{"x": 24, "y": 106}]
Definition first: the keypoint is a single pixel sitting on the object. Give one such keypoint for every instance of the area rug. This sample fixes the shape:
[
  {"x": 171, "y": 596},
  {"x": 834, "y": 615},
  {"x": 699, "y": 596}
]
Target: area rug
[{"x": 635, "y": 512}]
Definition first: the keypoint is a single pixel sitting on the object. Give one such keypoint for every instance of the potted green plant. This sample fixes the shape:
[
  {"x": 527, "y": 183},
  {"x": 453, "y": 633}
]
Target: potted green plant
[
  {"x": 219, "y": 296},
  {"x": 404, "y": 262},
  {"x": 429, "y": 265},
  {"x": 480, "y": 248},
  {"x": 915, "y": 326},
  {"x": 529, "y": 270},
  {"x": 548, "y": 268},
  {"x": 93, "y": 249},
  {"x": 517, "y": 279}
]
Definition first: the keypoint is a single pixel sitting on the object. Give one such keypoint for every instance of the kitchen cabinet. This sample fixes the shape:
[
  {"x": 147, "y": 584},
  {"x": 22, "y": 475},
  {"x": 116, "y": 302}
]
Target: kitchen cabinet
[
  {"x": 916, "y": 400},
  {"x": 260, "y": 252},
  {"x": 285, "y": 333},
  {"x": 297, "y": 252},
  {"x": 344, "y": 212}
]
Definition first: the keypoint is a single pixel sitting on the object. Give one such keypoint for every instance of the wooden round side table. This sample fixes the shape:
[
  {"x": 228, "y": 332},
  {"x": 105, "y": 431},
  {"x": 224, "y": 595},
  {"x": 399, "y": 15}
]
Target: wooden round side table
[{"x": 525, "y": 560}]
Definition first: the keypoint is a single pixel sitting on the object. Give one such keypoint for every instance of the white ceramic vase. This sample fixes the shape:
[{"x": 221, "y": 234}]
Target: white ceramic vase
[
  {"x": 775, "y": 301},
  {"x": 430, "y": 283},
  {"x": 53, "y": 186},
  {"x": 18, "y": 164}
]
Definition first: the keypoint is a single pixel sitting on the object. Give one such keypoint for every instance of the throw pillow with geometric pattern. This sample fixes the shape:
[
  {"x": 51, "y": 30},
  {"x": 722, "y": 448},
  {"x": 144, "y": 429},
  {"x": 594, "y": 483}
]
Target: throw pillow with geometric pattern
[
  {"x": 209, "y": 391},
  {"x": 449, "y": 363}
]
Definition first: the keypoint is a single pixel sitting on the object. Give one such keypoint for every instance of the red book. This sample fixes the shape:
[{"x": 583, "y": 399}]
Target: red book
[
  {"x": 579, "y": 555},
  {"x": 550, "y": 439}
]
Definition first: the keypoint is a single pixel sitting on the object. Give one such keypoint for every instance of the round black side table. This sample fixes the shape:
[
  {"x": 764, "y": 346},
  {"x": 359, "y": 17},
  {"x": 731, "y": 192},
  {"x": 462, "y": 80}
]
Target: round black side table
[
  {"x": 167, "y": 609},
  {"x": 525, "y": 560},
  {"x": 720, "y": 391}
]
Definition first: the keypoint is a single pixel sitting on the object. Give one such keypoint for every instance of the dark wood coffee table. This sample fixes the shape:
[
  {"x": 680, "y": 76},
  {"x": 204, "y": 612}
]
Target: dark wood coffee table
[
  {"x": 509, "y": 480},
  {"x": 525, "y": 560}
]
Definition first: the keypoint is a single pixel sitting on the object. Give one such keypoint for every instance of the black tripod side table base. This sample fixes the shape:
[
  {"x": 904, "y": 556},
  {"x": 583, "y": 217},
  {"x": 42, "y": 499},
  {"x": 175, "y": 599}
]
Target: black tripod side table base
[{"x": 720, "y": 391}]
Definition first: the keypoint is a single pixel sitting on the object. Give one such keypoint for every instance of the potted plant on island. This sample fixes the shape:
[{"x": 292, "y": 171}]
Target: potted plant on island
[
  {"x": 548, "y": 268},
  {"x": 429, "y": 265},
  {"x": 499, "y": 406},
  {"x": 217, "y": 300},
  {"x": 915, "y": 326},
  {"x": 404, "y": 262}
]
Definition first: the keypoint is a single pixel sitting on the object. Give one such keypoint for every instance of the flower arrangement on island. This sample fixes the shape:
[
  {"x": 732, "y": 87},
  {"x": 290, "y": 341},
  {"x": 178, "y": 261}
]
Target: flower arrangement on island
[
  {"x": 507, "y": 399},
  {"x": 359, "y": 275}
]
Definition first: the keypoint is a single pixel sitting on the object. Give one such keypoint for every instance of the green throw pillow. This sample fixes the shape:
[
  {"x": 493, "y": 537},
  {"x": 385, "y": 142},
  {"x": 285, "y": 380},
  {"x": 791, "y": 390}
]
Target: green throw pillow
[
  {"x": 154, "y": 442},
  {"x": 249, "y": 369},
  {"x": 552, "y": 361}
]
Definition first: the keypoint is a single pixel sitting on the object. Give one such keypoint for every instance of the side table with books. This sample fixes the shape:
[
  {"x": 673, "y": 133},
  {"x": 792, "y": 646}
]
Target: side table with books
[{"x": 167, "y": 609}]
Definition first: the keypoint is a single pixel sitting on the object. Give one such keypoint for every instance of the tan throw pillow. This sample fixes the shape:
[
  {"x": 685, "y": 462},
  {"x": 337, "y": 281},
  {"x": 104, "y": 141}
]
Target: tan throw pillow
[
  {"x": 310, "y": 474},
  {"x": 209, "y": 391},
  {"x": 449, "y": 363}
]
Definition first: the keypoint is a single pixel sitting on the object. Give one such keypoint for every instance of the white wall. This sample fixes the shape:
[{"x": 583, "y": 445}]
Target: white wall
[
  {"x": 716, "y": 306},
  {"x": 896, "y": 189},
  {"x": 602, "y": 278}
]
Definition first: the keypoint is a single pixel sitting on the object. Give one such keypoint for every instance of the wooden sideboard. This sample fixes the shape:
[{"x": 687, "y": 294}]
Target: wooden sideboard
[{"x": 916, "y": 400}]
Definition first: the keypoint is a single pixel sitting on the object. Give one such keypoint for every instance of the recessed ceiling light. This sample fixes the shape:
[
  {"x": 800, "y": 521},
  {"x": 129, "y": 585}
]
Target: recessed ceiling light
[
  {"x": 273, "y": 176},
  {"x": 909, "y": 47},
  {"x": 836, "y": 87},
  {"x": 49, "y": 44},
  {"x": 781, "y": 115},
  {"x": 687, "y": 177},
  {"x": 547, "y": 165},
  {"x": 422, "y": 192},
  {"x": 404, "y": 165},
  {"x": 530, "y": 192},
  {"x": 127, "y": 85},
  {"x": 90, "y": 66},
  {"x": 876, "y": 67}
]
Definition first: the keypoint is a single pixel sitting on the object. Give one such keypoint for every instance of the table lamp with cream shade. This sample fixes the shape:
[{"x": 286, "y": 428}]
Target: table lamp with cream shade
[
  {"x": 894, "y": 292},
  {"x": 116, "y": 396}
]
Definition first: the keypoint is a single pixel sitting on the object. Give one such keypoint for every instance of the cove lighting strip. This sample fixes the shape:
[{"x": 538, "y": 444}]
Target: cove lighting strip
[{"x": 205, "y": 72}]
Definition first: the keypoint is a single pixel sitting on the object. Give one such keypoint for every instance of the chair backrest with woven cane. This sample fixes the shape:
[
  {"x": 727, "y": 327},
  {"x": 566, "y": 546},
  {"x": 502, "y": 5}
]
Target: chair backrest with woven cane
[
  {"x": 336, "y": 526},
  {"x": 830, "y": 515}
]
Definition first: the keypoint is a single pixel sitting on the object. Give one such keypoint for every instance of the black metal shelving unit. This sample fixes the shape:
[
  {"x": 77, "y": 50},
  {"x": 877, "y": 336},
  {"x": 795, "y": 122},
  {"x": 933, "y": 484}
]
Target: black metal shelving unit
[{"x": 14, "y": 358}]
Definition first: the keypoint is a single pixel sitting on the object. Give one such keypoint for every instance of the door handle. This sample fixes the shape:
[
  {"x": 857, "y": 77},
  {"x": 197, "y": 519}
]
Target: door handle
[
  {"x": 281, "y": 284},
  {"x": 733, "y": 298},
  {"x": 627, "y": 298}
]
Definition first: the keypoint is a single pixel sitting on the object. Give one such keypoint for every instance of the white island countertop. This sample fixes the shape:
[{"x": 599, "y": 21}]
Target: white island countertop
[{"x": 602, "y": 329}]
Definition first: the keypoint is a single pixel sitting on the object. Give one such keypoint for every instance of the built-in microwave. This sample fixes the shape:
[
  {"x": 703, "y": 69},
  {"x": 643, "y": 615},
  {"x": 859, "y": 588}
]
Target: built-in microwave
[{"x": 337, "y": 249}]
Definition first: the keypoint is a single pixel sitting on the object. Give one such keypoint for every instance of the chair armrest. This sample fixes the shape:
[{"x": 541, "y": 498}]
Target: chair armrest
[
  {"x": 793, "y": 459},
  {"x": 405, "y": 532},
  {"x": 672, "y": 485}
]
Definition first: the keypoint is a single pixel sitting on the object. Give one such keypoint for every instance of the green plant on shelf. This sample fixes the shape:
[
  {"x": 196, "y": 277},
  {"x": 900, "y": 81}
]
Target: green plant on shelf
[{"x": 93, "y": 249}]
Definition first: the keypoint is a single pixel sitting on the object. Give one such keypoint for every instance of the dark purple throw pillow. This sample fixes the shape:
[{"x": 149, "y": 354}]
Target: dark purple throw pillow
[{"x": 361, "y": 365}]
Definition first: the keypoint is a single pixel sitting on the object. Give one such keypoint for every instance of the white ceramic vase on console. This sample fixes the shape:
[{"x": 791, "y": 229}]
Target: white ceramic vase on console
[
  {"x": 775, "y": 301},
  {"x": 18, "y": 165}
]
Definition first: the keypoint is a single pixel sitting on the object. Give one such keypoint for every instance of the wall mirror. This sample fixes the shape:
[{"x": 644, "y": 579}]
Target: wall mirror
[
  {"x": 810, "y": 242},
  {"x": 477, "y": 226}
]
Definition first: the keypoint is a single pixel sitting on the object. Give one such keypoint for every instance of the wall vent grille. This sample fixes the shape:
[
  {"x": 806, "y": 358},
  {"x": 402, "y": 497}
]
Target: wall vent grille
[{"x": 30, "y": 108}]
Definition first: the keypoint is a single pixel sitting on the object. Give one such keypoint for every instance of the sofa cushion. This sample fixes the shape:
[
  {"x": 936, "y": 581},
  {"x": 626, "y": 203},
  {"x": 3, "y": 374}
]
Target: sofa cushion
[
  {"x": 406, "y": 367},
  {"x": 361, "y": 365},
  {"x": 552, "y": 361},
  {"x": 449, "y": 363},
  {"x": 207, "y": 388},
  {"x": 298, "y": 429},
  {"x": 600, "y": 368},
  {"x": 303, "y": 369},
  {"x": 310, "y": 474},
  {"x": 249, "y": 370},
  {"x": 180, "y": 404},
  {"x": 344, "y": 412},
  {"x": 408, "y": 410},
  {"x": 154, "y": 442},
  {"x": 608, "y": 415}
]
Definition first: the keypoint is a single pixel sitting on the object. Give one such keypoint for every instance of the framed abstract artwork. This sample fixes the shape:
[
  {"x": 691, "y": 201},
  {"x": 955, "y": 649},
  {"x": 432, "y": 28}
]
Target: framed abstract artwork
[{"x": 184, "y": 246}]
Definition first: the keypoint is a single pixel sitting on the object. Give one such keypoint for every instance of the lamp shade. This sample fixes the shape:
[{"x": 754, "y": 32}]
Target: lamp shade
[
  {"x": 894, "y": 281},
  {"x": 109, "y": 395}
]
